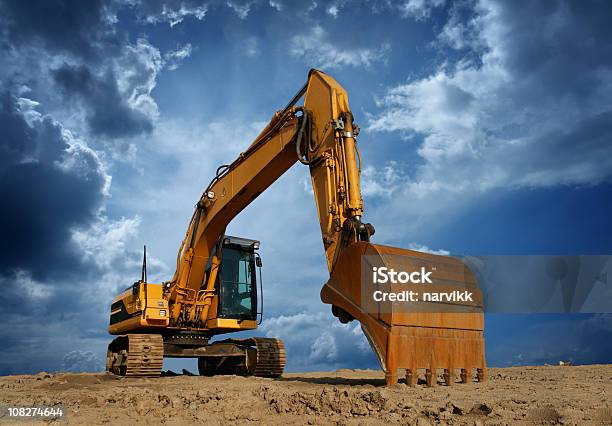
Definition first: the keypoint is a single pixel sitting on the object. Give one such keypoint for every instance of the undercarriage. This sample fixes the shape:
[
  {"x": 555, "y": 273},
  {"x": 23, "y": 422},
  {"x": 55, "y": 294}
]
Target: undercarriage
[{"x": 141, "y": 355}]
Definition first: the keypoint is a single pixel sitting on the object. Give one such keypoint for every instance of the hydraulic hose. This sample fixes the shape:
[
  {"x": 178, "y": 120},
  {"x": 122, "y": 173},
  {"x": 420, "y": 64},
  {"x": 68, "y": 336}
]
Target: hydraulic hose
[{"x": 304, "y": 137}]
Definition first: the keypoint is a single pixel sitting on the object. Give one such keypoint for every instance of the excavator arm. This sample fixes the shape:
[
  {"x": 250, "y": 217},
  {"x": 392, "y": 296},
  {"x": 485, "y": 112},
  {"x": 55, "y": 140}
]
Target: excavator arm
[{"x": 321, "y": 134}]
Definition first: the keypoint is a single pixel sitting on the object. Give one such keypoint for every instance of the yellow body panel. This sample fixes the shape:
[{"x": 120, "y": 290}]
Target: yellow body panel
[
  {"x": 146, "y": 309},
  {"x": 231, "y": 324}
]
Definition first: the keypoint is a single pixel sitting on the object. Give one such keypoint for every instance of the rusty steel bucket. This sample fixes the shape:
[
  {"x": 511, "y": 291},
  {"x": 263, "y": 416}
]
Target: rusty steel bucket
[{"x": 418, "y": 335}]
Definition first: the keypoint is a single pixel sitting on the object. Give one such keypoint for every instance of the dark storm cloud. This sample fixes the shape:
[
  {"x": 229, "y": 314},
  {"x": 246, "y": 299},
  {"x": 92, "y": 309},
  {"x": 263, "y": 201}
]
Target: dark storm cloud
[
  {"x": 589, "y": 139},
  {"x": 560, "y": 48},
  {"x": 77, "y": 27},
  {"x": 108, "y": 111},
  {"x": 55, "y": 253},
  {"x": 48, "y": 185},
  {"x": 84, "y": 34},
  {"x": 18, "y": 138},
  {"x": 559, "y": 55},
  {"x": 35, "y": 339}
]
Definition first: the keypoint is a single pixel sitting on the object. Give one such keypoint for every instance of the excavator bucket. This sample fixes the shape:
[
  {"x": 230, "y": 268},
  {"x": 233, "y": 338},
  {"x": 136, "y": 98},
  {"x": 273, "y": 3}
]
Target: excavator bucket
[{"x": 440, "y": 326}]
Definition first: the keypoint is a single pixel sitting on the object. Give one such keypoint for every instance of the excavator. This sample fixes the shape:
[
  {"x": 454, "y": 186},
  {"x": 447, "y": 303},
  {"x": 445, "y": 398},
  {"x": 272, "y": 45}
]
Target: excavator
[{"x": 214, "y": 289}]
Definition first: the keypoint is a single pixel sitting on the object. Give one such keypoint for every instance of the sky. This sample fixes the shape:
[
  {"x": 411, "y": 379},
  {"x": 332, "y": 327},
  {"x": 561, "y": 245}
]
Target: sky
[{"x": 485, "y": 130}]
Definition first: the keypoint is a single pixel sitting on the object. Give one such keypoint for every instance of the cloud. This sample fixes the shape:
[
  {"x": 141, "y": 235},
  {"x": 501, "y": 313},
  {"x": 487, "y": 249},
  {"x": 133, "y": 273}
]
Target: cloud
[
  {"x": 311, "y": 347},
  {"x": 299, "y": 7},
  {"x": 117, "y": 98},
  {"x": 381, "y": 182},
  {"x": 242, "y": 8},
  {"x": 66, "y": 182},
  {"x": 44, "y": 321},
  {"x": 108, "y": 113},
  {"x": 171, "y": 12},
  {"x": 56, "y": 184},
  {"x": 462, "y": 28},
  {"x": 74, "y": 304},
  {"x": 55, "y": 189},
  {"x": 334, "y": 7},
  {"x": 250, "y": 47},
  {"x": 105, "y": 239},
  {"x": 79, "y": 48},
  {"x": 53, "y": 261},
  {"x": 426, "y": 249},
  {"x": 81, "y": 361},
  {"x": 31, "y": 289},
  {"x": 174, "y": 58},
  {"x": 524, "y": 113},
  {"x": 418, "y": 9},
  {"x": 137, "y": 69},
  {"x": 77, "y": 28},
  {"x": 315, "y": 49},
  {"x": 174, "y": 12}
]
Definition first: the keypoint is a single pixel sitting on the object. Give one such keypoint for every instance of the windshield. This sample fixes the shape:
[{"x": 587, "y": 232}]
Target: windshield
[{"x": 238, "y": 296}]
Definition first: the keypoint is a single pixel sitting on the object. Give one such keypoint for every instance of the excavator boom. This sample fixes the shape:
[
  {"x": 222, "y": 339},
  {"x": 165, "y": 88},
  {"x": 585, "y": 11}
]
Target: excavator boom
[{"x": 319, "y": 134}]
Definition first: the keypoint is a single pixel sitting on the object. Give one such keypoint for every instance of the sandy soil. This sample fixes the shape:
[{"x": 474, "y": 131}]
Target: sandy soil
[{"x": 518, "y": 395}]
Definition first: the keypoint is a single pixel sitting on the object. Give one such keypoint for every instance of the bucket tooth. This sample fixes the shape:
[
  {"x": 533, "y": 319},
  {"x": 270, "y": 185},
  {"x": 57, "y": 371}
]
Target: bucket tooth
[
  {"x": 449, "y": 376},
  {"x": 411, "y": 376},
  {"x": 427, "y": 339},
  {"x": 431, "y": 376},
  {"x": 481, "y": 374}
]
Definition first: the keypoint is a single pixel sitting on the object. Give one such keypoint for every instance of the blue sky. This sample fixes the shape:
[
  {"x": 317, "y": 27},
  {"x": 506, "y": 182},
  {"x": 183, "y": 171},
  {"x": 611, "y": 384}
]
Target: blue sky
[{"x": 485, "y": 130}]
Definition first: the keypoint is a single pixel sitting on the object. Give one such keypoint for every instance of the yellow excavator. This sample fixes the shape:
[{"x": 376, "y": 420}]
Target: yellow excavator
[{"x": 214, "y": 289}]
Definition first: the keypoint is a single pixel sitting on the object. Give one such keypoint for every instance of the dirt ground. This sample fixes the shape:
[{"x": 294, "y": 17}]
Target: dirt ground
[{"x": 517, "y": 395}]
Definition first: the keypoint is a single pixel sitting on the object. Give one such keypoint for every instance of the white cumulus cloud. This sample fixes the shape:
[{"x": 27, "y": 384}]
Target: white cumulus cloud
[
  {"x": 174, "y": 58},
  {"x": 318, "y": 341},
  {"x": 512, "y": 118},
  {"x": 175, "y": 14},
  {"x": 315, "y": 48}
]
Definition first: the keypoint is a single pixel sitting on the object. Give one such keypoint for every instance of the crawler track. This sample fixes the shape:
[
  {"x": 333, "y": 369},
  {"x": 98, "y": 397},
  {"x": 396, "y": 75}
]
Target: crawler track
[
  {"x": 136, "y": 355},
  {"x": 271, "y": 357}
]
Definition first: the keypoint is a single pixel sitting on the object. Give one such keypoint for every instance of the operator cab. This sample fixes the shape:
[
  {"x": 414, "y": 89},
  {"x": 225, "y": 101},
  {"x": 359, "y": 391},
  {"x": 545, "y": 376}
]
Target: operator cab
[{"x": 237, "y": 279}]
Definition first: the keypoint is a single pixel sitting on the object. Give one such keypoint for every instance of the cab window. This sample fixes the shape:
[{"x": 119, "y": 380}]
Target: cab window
[{"x": 238, "y": 287}]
